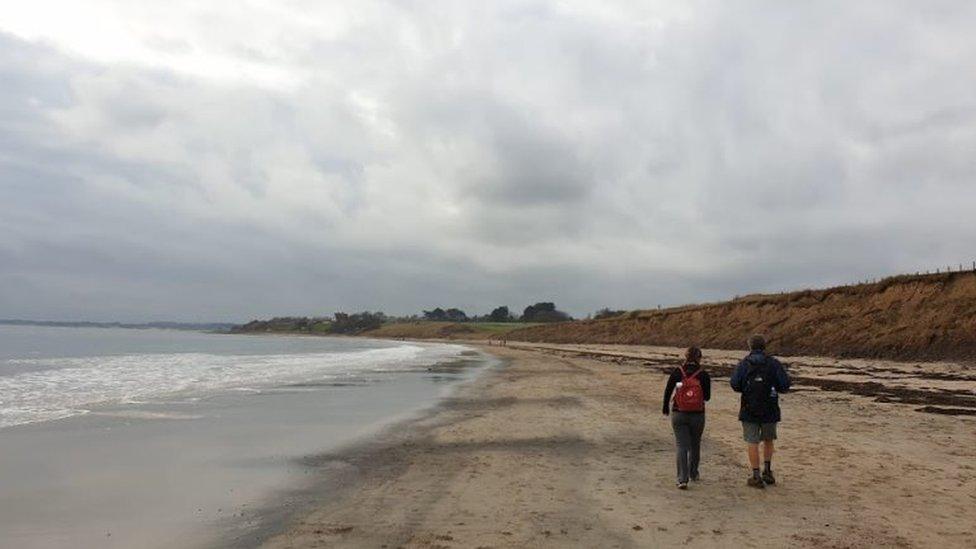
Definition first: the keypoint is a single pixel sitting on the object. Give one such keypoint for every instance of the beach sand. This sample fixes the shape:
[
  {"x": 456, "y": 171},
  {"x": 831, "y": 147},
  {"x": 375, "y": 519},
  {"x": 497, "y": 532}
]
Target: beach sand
[{"x": 566, "y": 446}]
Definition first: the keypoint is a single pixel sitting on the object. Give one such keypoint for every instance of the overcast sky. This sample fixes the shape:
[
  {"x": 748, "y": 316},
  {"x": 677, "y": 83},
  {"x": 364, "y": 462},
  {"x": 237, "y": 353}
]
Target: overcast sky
[{"x": 227, "y": 160}]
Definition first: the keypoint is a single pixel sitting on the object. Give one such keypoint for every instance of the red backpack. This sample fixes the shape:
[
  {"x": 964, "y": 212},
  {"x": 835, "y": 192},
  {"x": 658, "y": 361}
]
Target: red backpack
[{"x": 689, "y": 397}]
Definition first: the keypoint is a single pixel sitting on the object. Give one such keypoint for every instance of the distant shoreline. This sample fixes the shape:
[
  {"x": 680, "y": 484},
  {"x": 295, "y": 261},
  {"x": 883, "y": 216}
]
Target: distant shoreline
[{"x": 188, "y": 326}]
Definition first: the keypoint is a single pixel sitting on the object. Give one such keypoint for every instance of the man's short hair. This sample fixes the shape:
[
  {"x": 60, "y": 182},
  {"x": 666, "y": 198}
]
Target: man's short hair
[{"x": 757, "y": 342}]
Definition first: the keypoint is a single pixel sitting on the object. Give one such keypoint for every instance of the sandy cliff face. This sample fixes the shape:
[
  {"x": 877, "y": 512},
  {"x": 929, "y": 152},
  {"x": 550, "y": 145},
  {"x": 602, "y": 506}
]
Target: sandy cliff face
[{"x": 905, "y": 317}]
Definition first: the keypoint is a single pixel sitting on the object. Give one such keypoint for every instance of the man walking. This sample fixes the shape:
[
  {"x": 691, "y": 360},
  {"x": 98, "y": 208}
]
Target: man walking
[{"x": 760, "y": 378}]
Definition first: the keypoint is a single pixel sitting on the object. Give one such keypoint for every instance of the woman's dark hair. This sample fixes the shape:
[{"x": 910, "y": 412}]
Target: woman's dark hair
[{"x": 693, "y": 355}]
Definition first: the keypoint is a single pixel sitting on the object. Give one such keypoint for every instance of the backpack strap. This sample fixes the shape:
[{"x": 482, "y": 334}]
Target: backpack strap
[{"x": 685, "y": 376}]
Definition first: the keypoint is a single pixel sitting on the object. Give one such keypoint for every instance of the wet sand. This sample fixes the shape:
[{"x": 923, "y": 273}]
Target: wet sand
[{"x": 566, "y": 446}]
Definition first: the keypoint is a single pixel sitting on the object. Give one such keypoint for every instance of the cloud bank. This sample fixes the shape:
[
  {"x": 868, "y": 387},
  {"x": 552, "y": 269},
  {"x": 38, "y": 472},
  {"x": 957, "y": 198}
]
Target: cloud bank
[{"x": 251, "y": 159}]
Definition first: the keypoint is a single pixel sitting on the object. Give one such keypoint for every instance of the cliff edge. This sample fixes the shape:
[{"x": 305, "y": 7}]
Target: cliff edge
[{"x": 921, "y": 317}]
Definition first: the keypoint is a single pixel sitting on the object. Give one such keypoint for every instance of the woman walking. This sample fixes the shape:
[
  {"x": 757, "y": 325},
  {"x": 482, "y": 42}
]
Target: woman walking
[{"x": 691, "y": 387}]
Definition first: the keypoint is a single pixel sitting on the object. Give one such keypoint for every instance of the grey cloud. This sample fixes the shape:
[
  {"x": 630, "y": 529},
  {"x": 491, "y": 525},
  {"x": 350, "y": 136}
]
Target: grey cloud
[
  {"x": 497, "y": 154},
  {"x": 531, "y": 170}
]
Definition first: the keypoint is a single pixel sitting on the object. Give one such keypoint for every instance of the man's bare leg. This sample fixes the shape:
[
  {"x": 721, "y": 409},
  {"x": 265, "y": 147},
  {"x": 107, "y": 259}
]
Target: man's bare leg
[
  {"x": 767, "y": 451},
  {"x": 754, "y": 455}
]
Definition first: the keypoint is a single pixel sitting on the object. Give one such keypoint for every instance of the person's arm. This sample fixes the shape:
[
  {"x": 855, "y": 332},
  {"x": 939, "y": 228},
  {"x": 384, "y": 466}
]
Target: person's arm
[
  {"x": 783, "y": 381},
  {"x": 706, "y": 383},
  {"x": 736, "y": 380},
  {"x": 668, "y": 389}
]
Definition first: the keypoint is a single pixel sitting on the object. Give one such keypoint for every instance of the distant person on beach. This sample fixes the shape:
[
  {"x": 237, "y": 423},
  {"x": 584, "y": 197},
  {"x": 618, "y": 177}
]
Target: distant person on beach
[
  {"x": 760, "y": 378},
  {"x": 691, "y": 387}
]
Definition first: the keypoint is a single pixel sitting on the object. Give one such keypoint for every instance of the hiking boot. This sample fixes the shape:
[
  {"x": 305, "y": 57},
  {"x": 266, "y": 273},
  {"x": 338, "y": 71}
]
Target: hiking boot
[
  {"x": 756, "y": 482},
  {"x": 682, "y": 486},
  {"x": 768, "y": 478}
]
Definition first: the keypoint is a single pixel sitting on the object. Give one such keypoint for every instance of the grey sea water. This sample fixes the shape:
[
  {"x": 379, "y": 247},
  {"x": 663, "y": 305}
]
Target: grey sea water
[{"x": 157, "y": 438}]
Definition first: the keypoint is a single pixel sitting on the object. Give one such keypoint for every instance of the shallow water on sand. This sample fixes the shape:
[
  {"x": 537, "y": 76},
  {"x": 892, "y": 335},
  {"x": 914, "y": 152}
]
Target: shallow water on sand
[{"x": 151, "y": 438}]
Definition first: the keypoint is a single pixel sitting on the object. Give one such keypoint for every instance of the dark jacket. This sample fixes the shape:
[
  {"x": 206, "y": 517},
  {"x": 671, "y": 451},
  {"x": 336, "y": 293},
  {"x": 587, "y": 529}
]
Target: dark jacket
[
  {"x": 778, "y": 375},
  {"x": 703, "y": 378}
]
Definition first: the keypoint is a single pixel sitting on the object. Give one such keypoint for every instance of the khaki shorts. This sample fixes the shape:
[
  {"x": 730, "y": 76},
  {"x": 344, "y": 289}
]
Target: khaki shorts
[{"x": 754, "y": 432}]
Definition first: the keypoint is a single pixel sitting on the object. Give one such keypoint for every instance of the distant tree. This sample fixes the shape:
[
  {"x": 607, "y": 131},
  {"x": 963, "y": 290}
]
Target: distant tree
[
  {"x": 455, "y": 315},
  {"x": 544, "y": 312},
  {"x": 606, "y": 312},
  {"x": 436, "y": 314},
  {"x": 500, "y": 314},
  {"x": 532, "y": 311},
  {"x": 343, "y": 323},
  {"x": 450, "y": 315}
]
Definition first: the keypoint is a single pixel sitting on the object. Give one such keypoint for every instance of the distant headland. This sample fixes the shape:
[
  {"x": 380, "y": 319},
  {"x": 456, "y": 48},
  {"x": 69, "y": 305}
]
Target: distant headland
[{"x": 190, "y": 326}]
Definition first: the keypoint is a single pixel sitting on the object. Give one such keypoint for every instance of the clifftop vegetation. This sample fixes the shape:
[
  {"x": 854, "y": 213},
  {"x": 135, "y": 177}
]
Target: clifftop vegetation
[
  {"x": 435, "y": 323},
  {"x": 340, "y": 323}
]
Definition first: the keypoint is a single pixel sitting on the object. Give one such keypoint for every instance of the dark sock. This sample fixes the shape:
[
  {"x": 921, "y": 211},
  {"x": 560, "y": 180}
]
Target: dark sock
[
  {"x": 768, "y": 467},
  {"x": 755, "y": 473}
]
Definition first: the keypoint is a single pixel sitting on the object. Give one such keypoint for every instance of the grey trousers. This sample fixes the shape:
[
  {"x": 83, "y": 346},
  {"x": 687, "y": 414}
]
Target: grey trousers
[{"x": 688, "y": 429}]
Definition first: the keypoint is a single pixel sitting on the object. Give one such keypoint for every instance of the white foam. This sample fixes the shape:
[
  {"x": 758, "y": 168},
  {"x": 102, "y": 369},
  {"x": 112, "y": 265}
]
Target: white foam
[{"x": 56, "y": 388}]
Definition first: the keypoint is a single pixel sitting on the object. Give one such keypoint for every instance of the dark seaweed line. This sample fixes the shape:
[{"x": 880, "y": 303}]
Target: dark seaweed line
[{"x": 941, "y": 401}]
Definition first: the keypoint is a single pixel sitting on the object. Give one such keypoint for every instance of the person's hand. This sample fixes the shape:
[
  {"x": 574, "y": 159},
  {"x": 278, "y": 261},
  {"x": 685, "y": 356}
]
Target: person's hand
[{"x": 666, "y": 412}]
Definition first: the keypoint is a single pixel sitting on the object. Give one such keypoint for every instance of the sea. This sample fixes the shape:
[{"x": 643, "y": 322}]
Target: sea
[{"x": 158, "y": 438}]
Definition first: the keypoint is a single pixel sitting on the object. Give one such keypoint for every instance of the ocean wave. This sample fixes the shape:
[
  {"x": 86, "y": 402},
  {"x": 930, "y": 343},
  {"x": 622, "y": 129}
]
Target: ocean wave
[{"x": 56, "y": 388}]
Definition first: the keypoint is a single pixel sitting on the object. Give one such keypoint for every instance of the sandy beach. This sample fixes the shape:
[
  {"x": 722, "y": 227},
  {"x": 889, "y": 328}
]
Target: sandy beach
[{"x": 566, "y": 446}]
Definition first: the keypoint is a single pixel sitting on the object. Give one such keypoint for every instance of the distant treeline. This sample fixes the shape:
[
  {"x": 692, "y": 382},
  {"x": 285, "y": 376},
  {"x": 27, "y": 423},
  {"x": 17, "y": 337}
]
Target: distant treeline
[
  {"x": 339, "y": 323},
  {"x": 343, "y": 323},
  {"x": 540, "y": 312}
]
